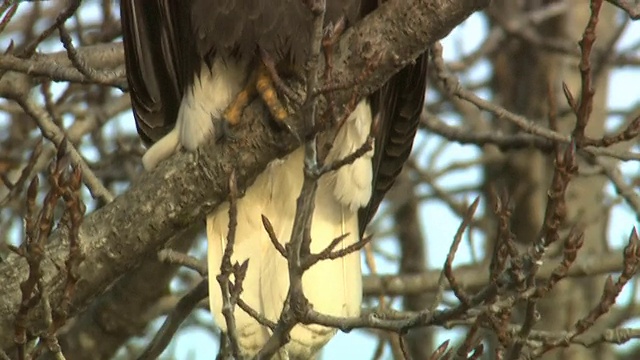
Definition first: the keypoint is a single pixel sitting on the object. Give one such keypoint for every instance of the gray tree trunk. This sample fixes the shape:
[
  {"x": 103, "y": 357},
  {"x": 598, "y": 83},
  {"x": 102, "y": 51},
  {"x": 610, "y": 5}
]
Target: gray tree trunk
[{"x": 413, "y": 255}]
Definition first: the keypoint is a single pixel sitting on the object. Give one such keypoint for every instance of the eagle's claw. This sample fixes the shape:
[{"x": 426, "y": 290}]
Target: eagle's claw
[{"x": 223, "y": 130}]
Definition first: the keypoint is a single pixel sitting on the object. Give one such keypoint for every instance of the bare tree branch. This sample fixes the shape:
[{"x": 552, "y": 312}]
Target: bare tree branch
[{"x": 474, "y": 276}]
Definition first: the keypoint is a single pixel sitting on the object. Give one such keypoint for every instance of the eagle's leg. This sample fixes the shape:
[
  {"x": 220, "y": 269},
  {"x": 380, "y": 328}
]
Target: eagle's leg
[
  {"x": 267, "y": 90},
  {"x": 233, "y": 113},
  {"x": 260, "y": 83}
]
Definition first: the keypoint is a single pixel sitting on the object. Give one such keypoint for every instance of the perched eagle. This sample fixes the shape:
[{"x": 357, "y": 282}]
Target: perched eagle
[{"x": 192, "y": 65}]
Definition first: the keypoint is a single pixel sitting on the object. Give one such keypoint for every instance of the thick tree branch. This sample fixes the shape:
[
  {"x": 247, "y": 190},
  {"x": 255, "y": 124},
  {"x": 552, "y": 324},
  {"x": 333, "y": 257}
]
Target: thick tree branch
[{"x": 183, "y": 189}]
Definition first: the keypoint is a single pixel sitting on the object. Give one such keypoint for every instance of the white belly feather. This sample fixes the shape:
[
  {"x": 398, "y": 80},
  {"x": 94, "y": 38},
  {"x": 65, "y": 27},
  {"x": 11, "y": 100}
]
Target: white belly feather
[{"x": 333, "y": 286}]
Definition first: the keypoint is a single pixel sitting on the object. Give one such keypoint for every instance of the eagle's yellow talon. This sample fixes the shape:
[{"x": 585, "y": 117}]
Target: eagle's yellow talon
[
  {"x": 267, "y": 91},
  {"x": 259, "y": 83},
  {"x": 233, "y": 112}
]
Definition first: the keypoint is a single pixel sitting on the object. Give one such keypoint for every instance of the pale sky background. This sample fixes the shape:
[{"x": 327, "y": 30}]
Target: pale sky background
[{"x": 438, "y": 222}]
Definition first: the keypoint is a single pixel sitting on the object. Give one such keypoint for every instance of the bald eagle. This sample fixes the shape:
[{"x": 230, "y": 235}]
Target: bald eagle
[{"x": 191, "y": 64}]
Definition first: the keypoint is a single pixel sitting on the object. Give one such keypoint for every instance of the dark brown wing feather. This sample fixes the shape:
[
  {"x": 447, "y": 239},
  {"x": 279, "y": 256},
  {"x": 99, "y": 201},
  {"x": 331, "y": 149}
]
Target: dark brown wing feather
[
  {"x": 397, "y": 106},
  {"x": 159, "y": 59}
]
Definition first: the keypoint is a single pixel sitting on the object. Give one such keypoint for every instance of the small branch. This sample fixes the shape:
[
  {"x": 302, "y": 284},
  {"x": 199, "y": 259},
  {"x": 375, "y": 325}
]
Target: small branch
[
  {"x": 585, "y": 107},
  {"x": 54, "y": 134},
  {"x": 171, "y": 256},
  {"x": 16, "y": 188},
  {"x": 474, "y": 276},
  {"x": 78, "y": 62},
  {"x": 628, "y": 193},
  {"x": 329, "y": 254},
  {"x": 607, "y": 300},
  {"x": 229, "y": 296},
  {"x": 272, "y": 236},
  {"x": 454, "y": 87},
  {"x": 176, "y": 317},
  {"x": 63, "y": 183},
  {"x": 349, "y": 159},
  {"x": 448, "y": 264},
  {"x": 256, "y": 315},
  {"x": 58, "y": 67}
]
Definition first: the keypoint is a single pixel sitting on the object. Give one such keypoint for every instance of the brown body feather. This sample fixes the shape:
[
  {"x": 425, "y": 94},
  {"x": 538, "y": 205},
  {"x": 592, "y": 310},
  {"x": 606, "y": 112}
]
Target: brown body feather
[{"x": 283, "y": 28}]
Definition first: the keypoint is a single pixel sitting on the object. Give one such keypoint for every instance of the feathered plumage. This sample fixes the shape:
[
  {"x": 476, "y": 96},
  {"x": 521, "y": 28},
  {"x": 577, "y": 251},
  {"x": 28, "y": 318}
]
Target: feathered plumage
[{"x": 186, "y": 60}]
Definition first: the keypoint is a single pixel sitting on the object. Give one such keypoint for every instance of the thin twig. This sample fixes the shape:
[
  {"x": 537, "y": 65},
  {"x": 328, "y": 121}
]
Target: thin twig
[
  {"x": 227, "y": 269},
  {"x": 299, "y": 245},
  {"x": 170, "y": 256},
  {"x": 176, "y": 317},
  {"x": 53, "y": 133}
]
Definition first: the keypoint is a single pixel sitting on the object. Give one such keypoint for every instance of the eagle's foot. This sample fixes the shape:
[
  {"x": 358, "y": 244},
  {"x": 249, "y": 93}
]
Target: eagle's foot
[
  {"x": 266, "y": 87},
  {"x": 223, "y": 130},
  {"x": 272, "y": 89},
  {"x": 264, "y": 83},
  {"x": 233, "y": 113}
]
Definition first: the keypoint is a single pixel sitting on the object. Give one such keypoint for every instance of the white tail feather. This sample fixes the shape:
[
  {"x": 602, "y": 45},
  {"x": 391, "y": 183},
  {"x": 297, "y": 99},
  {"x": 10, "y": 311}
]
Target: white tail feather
[
  {"x": 161, "y": 150},
  {"x": 332, "y": 286}
]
